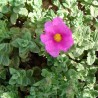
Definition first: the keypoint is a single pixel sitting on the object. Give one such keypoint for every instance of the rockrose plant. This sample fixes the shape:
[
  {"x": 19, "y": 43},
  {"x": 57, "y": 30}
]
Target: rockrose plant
[{"x": 48, "y": 48}]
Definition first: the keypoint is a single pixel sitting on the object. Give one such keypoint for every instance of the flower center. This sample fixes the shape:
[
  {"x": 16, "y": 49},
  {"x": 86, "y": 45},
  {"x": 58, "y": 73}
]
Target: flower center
[{"x": 57, "y": 37}]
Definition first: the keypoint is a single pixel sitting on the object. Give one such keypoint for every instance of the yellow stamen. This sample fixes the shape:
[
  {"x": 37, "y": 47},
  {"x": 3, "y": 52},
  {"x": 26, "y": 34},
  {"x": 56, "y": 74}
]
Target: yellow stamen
[{"x": 57, "y": 37}]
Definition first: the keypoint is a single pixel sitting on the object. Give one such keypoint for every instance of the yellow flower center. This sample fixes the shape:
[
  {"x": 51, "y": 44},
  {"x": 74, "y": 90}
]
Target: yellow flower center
[{"x": 57, "y": 37}]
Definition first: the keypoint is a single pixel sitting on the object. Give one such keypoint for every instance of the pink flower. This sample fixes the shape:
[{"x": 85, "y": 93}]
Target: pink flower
[{"x": 57, "y": 37}]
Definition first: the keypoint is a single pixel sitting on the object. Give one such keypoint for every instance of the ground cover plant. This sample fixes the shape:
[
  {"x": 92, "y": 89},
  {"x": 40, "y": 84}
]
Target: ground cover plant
[{"x": 31, "y": 68}]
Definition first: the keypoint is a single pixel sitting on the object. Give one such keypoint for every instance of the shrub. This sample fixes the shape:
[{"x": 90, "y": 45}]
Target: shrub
[{"x": 27, "y": 70}]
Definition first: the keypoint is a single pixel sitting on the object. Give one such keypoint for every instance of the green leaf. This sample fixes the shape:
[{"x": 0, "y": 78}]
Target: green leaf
[
  {"x": 27, "y": 35},
  {"x": 45, "y": 73},
  {"x": 2, "y": 46},
  {"x": 9, "y": 95},
  {"x": 5, "y": 9},
  {"x": 94, "y": 11},
  {"x": 1, "y": 15},
  {"x": 13, "y": 18},
  {"x": 69, "y": 3},
  {"x": 33, "y": 47},
  {"x": 5, "y": 48},
  {"x": 56, "y": 2},
  {"x": 3, "y": 73},
  {"x": 72, "y": 74},
  {"x": 3, "y": 31},
  {"x": 6, "y": 60},
  {"x": 23, "y": 11},
  {"x": 3, "y": 2},
  {"x": 23, "y": 52},
  {"x": 20, "y": 43},
  {"x": 94, "y": 93},
  {"x": 22, "y": 76},
  {"x": 14, "y": 32},
  {"x": 23, "y": 43},
  {"x": 89, "y": 1},
  {"x": 1, "y": 58},
  {"x": 91, "y": 57},
  {"x": 12, "y": 70},
  {"x": 15, "y": 43},
  {"x": 38, "y": 3},
  {"x": 16, "y": 9}
]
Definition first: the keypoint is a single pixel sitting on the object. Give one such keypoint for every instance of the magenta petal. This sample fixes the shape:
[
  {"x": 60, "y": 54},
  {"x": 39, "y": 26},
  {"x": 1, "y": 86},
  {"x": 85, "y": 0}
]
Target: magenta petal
[
  {"x": 60, "y": 26},
  {"x": 49, "y": 28},
  {"x": 48, "y": 24},
  {"x": 66, "y": 44},
  {"x": 52, "y": 49},
  {"x": 57, "y": 21},
  {"x": 45, "y": 37}
]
